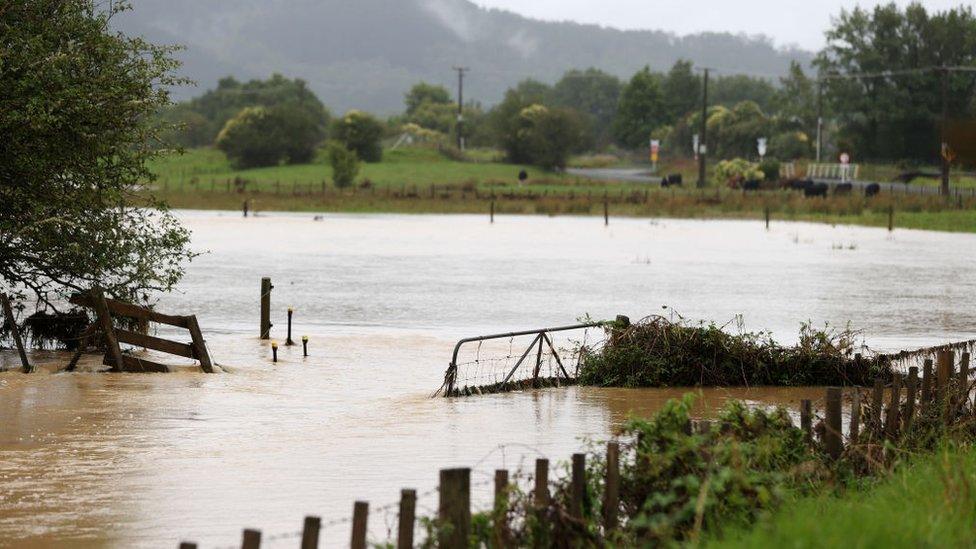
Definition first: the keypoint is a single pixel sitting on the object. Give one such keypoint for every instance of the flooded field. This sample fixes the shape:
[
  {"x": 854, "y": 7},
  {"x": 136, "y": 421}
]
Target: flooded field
[{"x": 146, "y": 460}]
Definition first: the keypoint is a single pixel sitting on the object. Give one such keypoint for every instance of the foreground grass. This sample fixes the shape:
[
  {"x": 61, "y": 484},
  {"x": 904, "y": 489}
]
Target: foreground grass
[{"x": 928, "y": 502}]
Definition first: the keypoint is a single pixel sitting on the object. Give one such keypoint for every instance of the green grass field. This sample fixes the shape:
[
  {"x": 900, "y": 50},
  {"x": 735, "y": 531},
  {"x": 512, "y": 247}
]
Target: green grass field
[
  {"x": 424, "y": 181},
  {"x": 931, "y": 502}
]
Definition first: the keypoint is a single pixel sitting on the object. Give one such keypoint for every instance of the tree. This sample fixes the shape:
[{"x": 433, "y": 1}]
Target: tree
[
  {"x": 426, "y": 94},
  {"x": 734, "y": 89},
  {"x": 360, "y": 132},
  {"x": 898, "y": 116},
  {"x": 77, "y": 119},
  {"x": 593, "y": 93},
  {"x": 682, "y": 91},
  {"x": 796, "y": 101},
  {"x": 344, "y": 163},
  {"x": 226, "y": 101},
  {"x": 545, "y": 136},
  {"x": 260, "y": 136},
  {"x": 642, "y": 110},
  {"x": 503, "y": 119}
]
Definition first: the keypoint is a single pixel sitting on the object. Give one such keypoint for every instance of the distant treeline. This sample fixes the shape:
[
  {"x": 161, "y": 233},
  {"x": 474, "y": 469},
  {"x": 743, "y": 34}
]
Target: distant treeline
[{"x": 882, "y": 111}]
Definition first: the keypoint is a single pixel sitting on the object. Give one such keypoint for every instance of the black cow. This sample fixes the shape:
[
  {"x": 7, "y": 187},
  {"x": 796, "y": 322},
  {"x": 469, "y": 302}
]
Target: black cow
[
  {"x": 816, "y": 189},
  {"x": 674, "y": 179},
  {"x": 798, "y": 184},
  {"x": 872, "y": 190},
  {"x": 751, "y": 185},
  {"x": 843, "y": 188}
]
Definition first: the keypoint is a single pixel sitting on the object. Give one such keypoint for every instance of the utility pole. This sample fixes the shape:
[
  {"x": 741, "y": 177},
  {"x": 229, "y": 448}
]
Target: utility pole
[
  {"x": 819, "y": 118},
  {"x": 702, "y": 147},
  {"x": 460, "y": 113},
  {"x": 944, "y": 149}
]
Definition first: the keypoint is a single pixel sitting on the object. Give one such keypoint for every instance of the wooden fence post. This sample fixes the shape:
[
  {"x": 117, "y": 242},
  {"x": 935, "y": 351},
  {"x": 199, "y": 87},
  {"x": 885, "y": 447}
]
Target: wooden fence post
[
  {"x": 454, "y": 508},
  {"x": 579, "y": 486},
  {"x": 541, "y": 500},
  {"x": 611, "y": 500},
  {"x": 606, "y": 213},
  {"x": 926, "y": 383},
  {"x": 945, "y": 366},
  {"x": 187, "y": 545},
  {"x": 911, "y": 389},
  {"x": 877, "y": 400},
  {"x": 833, "y": 435},
  {"x": 806, "y": 418},
  {"x": 500, "y": 515},
  {"x": 892, "y": 421},
  {"x": 252, "y": 539},
  {"x": 199, "y": 345},
  {"x": 963, "y": 379},
  {"x": 310, "y": 532},
  {"x": 108, "y": 330},
  {"x": 266, "y": 288},
  {"x": 855, "y": 429},
  {"x": 8, "y": 311},
  {"x": 408, "y": 514},
  {"x": 360, "y": 516}
]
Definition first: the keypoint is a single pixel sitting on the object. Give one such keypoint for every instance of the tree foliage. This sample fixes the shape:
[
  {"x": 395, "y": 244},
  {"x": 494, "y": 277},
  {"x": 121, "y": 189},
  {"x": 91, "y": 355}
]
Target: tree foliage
[
  {"x": 344, "y": 163},
  {"x": 77, "y": 119},
  {"x": 898, "y": 116},
  {"x": 545, "y": 136},
  {"x": 360, "y": 132},
  {"x": 642, "y": 109},
  {"x": 260, "y": 136},
  {"x": 426, "y": 94},
  {"x": 594, "y": 94}
]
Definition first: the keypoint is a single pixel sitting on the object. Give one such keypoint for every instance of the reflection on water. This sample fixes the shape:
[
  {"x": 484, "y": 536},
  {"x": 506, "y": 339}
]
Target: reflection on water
[{"x": 147, "y": 460}]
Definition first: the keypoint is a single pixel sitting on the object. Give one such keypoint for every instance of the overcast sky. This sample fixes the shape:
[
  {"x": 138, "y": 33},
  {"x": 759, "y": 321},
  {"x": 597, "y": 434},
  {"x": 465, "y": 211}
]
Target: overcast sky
[{"x": 788, "y": 22}]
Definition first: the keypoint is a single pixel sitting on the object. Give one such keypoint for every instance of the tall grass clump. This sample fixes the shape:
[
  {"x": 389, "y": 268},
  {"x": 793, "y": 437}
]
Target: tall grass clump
[{"x": 658, "y": 352}]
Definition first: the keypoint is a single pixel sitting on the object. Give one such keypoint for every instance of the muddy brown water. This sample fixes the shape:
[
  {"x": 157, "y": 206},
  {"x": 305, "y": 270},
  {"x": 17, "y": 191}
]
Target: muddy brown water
[{"x": 112, "y": 460}]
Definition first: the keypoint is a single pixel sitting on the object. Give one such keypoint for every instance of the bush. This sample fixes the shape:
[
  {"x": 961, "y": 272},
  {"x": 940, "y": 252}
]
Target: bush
[
  {"x": 345, "y": 164},
  {"x": 770, "y": 167},
  {"x": 738, "y": 169},
  {"x": 790, "y": 145},
  {"x": 361, "y": 133},
  {"x": 544, "y": 137},
  {"x": 260, "y": 136}
]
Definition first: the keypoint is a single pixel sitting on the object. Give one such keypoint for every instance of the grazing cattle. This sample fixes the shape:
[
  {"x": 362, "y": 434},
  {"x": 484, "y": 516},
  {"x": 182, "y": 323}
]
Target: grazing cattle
[
  {"x": 674, "y": 179},
  {"x": 522, "y": 176},
  {"x": 664, "y": 183},
  {"x": 843, "y": 188},
  {"x": 816, "y": 189},
  {"x": 872, "y": 190},
  {"x": 797, "y": 184},
  {"x": 751, "y": 185}
]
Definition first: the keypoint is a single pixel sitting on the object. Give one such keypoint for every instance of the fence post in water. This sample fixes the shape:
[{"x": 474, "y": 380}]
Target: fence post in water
[
  {"x": 926, "y": 382},
  {"x": 892, "y": 421},
  {"x": 310, "y": 532},
  {"x": 252, "y": 539},
  {"x": 611, "y": 496},
  {"x": 187, "y": 545},
  {"x": 911, "y": 389},
  {"x": 491, "y": 215},
  {"x": 766, "y": 212},
  {"x": 891, "y": 218},
  {"x": 360, "y": 515},
  {"x": 806, "y": 418},
  {"x": 274, "y": 352},
  {"x": 454, "y": 508},
  {"x": 877, "y": 401},
  {"x": 304, "y": 345},
  {"x": 408, "y": 510},
  {"x": 606, "y": 212},
  {"x": 855, "y": 417},
  {"x": 833, "y": 436},
  {"x": 579, "y": 486},
  {"x": 288, "y": 340},
  {"x": 266, "y": 288}
]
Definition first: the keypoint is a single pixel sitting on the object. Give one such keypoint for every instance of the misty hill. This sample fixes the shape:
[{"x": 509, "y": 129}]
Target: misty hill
[{"x": 367, "y": 53}]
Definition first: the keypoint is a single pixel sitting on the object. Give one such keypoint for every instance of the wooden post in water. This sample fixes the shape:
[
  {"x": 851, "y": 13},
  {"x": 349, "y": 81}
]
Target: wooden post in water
[
  {"x": 611, "y": 496},
  {"x": 606, "y": 212},
  {"x": 8, "y": 312},
  {"x": 454, "y": 508},
  {"x": 252, "y": 539},
  {"x": 266, "y": 288},
  {"x": 187, "y": 545},
  {"x": 834, "y": 435},
  {"x": 579, "y": 486},
  {"x": 892, "y": 421},
  {"x": 408, "y": 514},
  {"x": 877, "y": 403},
  {"x": 855, "y": 429},
  {"x": 926, "y": 382},
  {"x": 491, "y": 216},
  {"x": 766, "y": 212},
  {"x": 310, "y": 532},
  {"x": 360, "y": 516},
  {"x": 806, "y": 418},
  {"x": 891, "y": 218},
  {"x": 911, "y": 389}
]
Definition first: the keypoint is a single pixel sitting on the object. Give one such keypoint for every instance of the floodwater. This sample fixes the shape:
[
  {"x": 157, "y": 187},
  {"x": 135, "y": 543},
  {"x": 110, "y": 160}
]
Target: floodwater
[{"x": 123, "y": 460}]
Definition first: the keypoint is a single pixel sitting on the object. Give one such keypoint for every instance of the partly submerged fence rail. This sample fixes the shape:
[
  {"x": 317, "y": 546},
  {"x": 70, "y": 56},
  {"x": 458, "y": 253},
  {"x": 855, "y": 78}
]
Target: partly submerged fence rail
[
  {"x": 878, "y": 426},
  {"x": 543, "y": 345}
]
